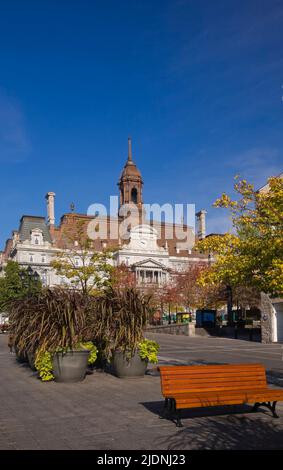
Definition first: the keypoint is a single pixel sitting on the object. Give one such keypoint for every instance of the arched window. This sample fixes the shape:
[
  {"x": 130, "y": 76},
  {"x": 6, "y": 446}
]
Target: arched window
[{"x": 134, "y": 196}]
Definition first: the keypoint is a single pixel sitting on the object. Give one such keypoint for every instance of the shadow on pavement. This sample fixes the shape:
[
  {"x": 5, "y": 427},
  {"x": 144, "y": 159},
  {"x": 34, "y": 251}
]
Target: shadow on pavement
[
  {"x": 226, "y": 427},
  {"x": 229, "y": 432}
]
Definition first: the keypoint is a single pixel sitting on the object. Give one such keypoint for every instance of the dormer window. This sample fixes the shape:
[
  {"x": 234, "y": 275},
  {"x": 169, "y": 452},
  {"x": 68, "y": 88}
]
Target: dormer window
[{"x": 36, "y": 236}]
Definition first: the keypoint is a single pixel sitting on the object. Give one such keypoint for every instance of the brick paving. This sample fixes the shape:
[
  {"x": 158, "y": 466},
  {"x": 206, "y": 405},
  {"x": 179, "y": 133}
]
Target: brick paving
[{"x": 107, "y": 413}]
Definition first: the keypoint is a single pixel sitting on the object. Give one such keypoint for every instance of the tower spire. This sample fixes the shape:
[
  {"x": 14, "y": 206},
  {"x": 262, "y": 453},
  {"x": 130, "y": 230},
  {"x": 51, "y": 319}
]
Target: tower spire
[
  {"x": 130, "y": 159},
  {"x": 130, "y": 183}
]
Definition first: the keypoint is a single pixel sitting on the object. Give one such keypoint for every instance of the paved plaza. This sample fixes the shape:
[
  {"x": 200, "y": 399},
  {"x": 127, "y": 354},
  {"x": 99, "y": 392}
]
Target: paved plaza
[{"x": 108, "y": 413}]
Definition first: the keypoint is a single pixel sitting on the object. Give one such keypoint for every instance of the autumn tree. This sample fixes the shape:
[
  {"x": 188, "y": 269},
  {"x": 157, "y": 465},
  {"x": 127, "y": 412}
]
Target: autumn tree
[
  {"x": 253, "y": 255},
  {"x": 121, "y": 276},
  {"x": 169, "y": 295},
  {"x": 195, "y": 295},
  {"x": 84, "y": 267}
]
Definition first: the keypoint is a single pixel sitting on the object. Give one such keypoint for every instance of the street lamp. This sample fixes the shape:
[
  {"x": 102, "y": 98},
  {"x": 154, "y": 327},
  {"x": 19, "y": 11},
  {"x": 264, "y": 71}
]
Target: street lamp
[
  {"x": 27, "y": 276},
  {"x": 22, "y": 276},
  {"x": 36, "y": 276},
  {"x": 229, "y": 304}
]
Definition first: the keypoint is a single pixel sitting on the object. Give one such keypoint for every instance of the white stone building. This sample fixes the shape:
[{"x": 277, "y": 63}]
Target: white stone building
[{"x": 146, "y": 249}]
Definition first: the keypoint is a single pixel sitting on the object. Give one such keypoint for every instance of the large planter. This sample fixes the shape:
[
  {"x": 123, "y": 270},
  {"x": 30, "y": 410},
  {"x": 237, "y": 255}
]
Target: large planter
[
  {"x": 21, "y": 357},
  {"x": 31, "y": 360},
  {"x": 128, "y": 368},
  {"x": 70, "y": 366}
]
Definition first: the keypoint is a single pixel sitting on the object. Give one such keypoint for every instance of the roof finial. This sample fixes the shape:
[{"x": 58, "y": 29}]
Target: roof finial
[{"x": 129, "y": 149}]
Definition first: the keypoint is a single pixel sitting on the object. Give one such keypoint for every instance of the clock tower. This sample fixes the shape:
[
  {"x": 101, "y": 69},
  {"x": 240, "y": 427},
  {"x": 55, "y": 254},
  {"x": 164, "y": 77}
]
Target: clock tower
[{"x": 130, "y": 187}]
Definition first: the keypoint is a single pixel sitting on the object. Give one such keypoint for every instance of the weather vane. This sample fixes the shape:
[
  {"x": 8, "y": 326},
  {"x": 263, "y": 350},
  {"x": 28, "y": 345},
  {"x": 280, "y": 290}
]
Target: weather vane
[{"x": 72, "y": 207}]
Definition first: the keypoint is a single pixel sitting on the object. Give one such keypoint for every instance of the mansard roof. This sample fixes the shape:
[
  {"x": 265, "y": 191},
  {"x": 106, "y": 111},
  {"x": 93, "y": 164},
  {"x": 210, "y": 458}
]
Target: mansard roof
[{"x": 31, "y": 222}]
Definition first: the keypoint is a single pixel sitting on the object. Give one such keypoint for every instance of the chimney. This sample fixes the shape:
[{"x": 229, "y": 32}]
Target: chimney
[
  {"x": 201, "y": 224},
  {"x": 50, "y": 208}
]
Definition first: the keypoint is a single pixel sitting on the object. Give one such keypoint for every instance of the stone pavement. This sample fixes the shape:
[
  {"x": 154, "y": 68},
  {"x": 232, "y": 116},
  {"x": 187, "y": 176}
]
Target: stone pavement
[{"x": 107, "y": 413}]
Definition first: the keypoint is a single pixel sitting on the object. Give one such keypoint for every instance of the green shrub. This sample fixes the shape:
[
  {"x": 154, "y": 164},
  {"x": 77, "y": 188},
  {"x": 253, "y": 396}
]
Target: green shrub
[
  {"x": 93, "y": 351},
  {"x": 43, "y": 363},
  {"x": 148, "y": 350}
]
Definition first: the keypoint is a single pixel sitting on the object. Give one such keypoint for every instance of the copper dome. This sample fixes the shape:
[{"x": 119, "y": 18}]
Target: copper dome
[{"x": 130, "y": 169}]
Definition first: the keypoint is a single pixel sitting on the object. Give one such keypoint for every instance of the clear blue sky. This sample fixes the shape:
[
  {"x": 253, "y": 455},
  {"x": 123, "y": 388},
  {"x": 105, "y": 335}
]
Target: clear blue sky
[{"x": 197, "y": 84}]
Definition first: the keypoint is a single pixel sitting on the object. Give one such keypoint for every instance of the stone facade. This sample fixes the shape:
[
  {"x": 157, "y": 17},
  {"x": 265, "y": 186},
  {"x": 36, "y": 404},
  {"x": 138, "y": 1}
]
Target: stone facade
[{"x": 149, "y": 248}]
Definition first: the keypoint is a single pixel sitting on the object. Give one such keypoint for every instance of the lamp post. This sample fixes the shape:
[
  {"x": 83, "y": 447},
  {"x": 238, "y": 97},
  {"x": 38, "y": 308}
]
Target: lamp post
[
  {"x": 29, "y": 277},
  {"x": 229, "y": 304}
]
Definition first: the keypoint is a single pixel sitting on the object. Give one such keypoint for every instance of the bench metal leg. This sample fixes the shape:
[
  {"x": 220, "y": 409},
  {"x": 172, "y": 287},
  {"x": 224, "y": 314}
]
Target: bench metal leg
[
  {"x": 166, "y": 402},
  {"x": 179, "y": 423},
  {"x": 255, "y": 407},
  {"x": 267, "y": 405},
  {"x": 177, "y": 415},
  {"x": 166, "y": 408},
  {"x": 170, "y": 412}
]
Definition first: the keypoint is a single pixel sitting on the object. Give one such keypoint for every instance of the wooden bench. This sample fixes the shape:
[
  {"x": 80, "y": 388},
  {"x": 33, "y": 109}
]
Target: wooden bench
[{"x": 215, "y": 385}]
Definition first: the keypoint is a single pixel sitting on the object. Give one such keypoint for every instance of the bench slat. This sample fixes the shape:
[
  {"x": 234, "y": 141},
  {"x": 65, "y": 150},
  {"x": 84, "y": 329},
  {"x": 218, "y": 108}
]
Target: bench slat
[
  {"x": 231, "y": 393},
  {"x": 212, "y": 391},
  {"x": 206, "y": 378},
  {"x": 228, "y": 398},
  {"x": 211, "y": 367},
  {"x": 192, "y": 373}
]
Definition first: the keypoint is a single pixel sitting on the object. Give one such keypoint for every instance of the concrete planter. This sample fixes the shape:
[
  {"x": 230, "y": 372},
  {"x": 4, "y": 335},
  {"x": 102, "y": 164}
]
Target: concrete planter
[
  {"x": 132, "y": 368},
  {"x": 31, "y": 360},
  {"x": 70, "y": 366},
  {"x": 21, "y": 357}
]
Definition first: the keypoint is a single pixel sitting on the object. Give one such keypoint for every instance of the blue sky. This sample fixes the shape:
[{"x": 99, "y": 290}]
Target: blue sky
[{"x": 196, "y": 83}]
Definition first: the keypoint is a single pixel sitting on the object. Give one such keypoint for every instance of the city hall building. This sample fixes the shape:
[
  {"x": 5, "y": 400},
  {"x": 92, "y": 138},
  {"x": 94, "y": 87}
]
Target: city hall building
[{"x": 153, "y": 249}]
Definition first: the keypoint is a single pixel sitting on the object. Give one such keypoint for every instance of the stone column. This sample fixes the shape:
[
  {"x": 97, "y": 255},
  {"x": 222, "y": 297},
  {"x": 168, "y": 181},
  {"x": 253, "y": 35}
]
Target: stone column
[
  {"x": 201, "y": 224},
  {"x": 50, "y": 208}
]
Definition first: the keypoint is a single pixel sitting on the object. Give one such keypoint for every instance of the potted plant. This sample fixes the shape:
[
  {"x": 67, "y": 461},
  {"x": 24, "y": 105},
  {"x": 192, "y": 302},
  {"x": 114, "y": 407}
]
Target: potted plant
[
  {"x": 127, "y": 365},
  {"x": 70, "y": 364},
  {"x": 21, "y": 327},
  {"x": 60, "y": 365},
  {"x": 56, "y": 322},
  {"x": 124, "y": 318},
  {"x": 31, "y": 360}
]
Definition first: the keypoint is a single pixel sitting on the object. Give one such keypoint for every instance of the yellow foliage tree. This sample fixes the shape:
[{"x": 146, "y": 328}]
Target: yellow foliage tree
[
  {"x": 85, "y": 268},
  {"x": 253, "y": 255}
]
